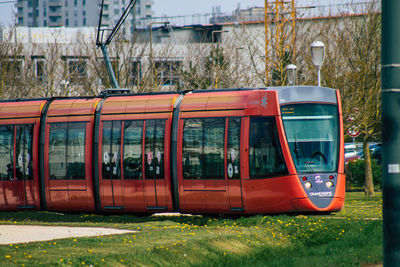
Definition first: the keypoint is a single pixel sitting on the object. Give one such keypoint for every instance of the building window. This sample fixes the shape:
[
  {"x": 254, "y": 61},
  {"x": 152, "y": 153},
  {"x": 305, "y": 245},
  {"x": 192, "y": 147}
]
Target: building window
[
  {"x": 167, "y": 70},
  {"x": 39, "y": 68},
  {"x": 102, "y": 70},
  {"x": 12, "y": 66},
  {"x": 135, "y": 72},
  {"x": 76, "y": 68}
]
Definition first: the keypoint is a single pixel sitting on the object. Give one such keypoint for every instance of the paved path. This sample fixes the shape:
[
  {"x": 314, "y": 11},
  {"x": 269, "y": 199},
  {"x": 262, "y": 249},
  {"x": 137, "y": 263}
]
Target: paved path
[{"x": 11, "y": 234}]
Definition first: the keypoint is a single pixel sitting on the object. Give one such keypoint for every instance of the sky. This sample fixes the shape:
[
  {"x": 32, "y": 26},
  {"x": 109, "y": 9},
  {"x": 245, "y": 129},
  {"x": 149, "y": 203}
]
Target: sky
[{"x": 180, "y": 7}]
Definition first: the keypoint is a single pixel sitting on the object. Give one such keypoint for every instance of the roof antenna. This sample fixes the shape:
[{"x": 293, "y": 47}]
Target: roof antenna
[{"x": 103, "y": 44}]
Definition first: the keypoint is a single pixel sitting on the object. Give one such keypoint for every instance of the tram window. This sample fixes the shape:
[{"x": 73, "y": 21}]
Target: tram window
[
  {"x": 111, "y": 150},
  {"x": 203, "y": 148},
  {"x": 213, "y": 155},
  {"x": 233, "y": 148},
  {"x": 266, "y": 157},
  {"x": 24, "y": 139},
  {"x": 154, "y": 149},
  {"x": 6, "y": 152},
  {"x": 133, "y": 137},
  {"x": 192, "y": 149},
  {"x": 76, "y": 151},
  {"x": 57, "y": 151},
  {"x": 67, "y": 151}
]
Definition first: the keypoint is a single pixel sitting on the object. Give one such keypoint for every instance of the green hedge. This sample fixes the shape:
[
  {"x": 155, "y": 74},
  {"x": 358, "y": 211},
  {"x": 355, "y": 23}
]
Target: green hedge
[{"x": 355, "y": 173}]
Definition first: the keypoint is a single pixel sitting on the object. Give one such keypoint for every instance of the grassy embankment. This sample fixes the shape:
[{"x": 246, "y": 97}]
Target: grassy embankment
[{"x": 352, "y": 237}]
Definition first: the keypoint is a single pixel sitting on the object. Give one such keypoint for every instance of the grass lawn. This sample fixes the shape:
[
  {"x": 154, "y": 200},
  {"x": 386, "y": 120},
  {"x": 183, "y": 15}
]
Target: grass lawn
[{"x": 352, "y": 237}]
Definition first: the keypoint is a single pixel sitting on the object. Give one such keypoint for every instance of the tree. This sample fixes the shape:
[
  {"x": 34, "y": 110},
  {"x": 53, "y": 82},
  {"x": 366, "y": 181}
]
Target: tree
[{"x": 352, "y": 65}]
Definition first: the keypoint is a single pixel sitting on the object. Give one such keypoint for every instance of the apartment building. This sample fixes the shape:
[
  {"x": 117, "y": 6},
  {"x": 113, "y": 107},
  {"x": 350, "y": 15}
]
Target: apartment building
[{"x": 81, "y": 13}]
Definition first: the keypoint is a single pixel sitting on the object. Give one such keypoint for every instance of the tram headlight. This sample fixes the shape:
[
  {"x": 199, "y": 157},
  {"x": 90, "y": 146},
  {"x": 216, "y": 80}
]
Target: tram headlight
[
  {"x": 308, "y": 185},
  {"x": 329, "y": 184}
]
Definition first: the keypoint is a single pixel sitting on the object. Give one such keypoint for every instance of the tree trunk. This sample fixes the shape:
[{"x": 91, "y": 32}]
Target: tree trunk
[{"x": 369, "y": 183}]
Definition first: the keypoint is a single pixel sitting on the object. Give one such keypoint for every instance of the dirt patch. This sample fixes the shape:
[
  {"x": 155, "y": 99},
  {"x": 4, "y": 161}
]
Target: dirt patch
[{"x": 11, "y": 234}]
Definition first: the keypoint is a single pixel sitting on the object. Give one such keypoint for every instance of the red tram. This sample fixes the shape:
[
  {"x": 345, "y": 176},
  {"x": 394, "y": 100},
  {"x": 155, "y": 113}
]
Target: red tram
[{"x": 241, "y": 151}]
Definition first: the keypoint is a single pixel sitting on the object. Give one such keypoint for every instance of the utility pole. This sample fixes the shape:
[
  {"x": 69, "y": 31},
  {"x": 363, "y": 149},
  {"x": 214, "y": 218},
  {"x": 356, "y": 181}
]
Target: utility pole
[
  {"x": 391, "y": 131},
  {"x": 103, "y": 44},
  {"x": 280, "y": 35}
]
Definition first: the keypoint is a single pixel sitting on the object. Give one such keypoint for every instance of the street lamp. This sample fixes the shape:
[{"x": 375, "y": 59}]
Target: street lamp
[
  {"x": 318, "y": 55},
  {"x": 151, "y": 46},
  {"x": 213, "y": 58},
  {"x": 291, "y": 74}
]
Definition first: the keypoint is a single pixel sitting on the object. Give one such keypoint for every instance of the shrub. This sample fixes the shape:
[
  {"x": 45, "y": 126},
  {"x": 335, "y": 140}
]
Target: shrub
[{"x": 355, "y": 173}]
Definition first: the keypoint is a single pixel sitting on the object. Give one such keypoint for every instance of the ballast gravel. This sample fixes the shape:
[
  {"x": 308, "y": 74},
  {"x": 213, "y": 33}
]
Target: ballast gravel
[{"x": 13, "y": 234}]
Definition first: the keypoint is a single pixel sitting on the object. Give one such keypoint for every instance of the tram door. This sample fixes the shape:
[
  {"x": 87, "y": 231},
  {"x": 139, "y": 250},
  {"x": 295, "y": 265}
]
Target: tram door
[
  {"x": 16, "y": 166},
  {"x": 155, "y": 187},
  {"x": 112, "y": 196},
  {"x": 233, "y": 164}
]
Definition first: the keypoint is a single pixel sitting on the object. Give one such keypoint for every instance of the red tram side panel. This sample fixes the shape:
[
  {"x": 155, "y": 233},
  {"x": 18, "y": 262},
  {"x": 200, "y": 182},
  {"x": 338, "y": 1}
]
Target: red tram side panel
[
  {"x": 68, "y": 155},
  {"x": 134, "y": 153},
  {"x": 19, "y": 162},
  {"x": 213, "y": 157}
]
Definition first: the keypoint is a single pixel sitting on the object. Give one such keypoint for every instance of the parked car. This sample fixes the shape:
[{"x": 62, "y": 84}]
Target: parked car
[{"x": 375, "y": 152}]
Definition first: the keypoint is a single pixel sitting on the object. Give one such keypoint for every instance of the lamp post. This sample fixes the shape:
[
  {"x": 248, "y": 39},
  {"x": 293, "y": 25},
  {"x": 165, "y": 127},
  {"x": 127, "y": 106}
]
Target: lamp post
[
  {"x": 291, "y": 71},
  {"x": 318, "y": 55},
  {"x": 151, "y": 46},
  {"x": 213, "y": 58}
]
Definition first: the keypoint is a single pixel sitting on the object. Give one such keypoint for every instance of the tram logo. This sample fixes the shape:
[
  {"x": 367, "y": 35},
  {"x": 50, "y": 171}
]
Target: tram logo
[
  {"x": 321, "y": 194},
  {"x": 318, "y": 179},
  {"x": 264, "y": 101}
]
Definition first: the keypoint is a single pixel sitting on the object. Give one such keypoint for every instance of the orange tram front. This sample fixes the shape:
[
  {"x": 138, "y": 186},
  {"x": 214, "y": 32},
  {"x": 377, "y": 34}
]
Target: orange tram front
[{"x": 232, "y": 151}]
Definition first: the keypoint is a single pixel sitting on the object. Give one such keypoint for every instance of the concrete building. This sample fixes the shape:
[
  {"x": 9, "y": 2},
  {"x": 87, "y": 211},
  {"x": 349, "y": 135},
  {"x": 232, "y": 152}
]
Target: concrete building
[
  {"x": 81, "y": 13},
  {"x": 163, "y": 57}
]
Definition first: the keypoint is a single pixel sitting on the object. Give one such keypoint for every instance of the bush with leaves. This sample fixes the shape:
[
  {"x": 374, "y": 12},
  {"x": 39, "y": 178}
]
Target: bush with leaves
[{"x": 355, "y": 173}]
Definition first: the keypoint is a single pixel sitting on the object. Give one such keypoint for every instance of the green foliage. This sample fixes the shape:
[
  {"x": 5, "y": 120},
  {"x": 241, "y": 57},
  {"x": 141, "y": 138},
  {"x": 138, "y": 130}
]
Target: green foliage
[{"x": 355, "y": 173}]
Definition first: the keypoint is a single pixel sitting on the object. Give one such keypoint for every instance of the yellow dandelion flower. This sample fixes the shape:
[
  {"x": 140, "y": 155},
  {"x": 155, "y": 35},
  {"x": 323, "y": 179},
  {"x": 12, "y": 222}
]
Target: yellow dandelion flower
[
  {"x": 62, "y": 260},
  {"x": 8, "y": 256},
  {"x": 103, "y": 260}
]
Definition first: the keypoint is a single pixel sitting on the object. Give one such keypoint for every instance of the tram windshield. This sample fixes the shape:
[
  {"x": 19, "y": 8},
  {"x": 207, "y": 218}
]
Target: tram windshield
[{"x": 313, "y": 136}]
